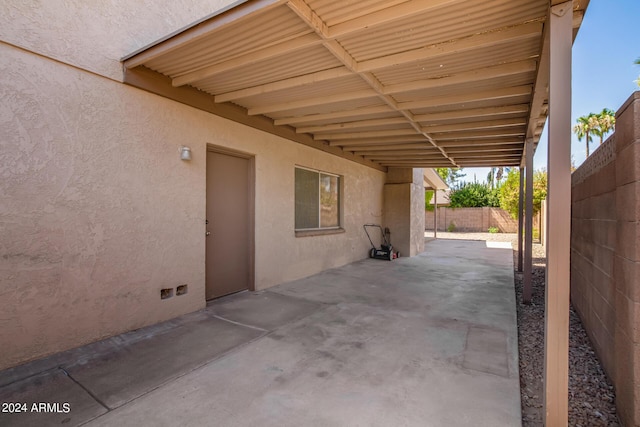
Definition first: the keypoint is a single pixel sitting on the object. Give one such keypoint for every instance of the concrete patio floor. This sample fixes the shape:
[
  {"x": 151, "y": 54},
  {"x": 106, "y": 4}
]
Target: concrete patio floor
[{"x": 423, "y": 341}]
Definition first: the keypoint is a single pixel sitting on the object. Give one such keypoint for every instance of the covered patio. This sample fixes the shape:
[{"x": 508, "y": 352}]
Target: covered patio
[
  {"x": 114, "y": 112},
  {"x": 399, "y": 85},
  {"x": 424, "y": 341}
]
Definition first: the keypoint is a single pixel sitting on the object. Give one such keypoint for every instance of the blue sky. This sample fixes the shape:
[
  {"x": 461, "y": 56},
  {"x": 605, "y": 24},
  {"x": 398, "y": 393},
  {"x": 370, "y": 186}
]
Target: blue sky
[{"x": 603, "y": 69}]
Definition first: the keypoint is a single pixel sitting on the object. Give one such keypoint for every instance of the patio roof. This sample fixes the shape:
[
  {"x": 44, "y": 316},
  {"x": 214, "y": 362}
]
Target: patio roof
[{"x": 422, "y": 83}]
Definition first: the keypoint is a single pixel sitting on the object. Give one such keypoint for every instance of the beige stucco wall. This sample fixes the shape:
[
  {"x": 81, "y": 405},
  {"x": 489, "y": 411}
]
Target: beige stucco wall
[
  {"x": 98, "y": 212},
  {"x": 95, "y": 35},
  {"x": 403, "y": 210}
]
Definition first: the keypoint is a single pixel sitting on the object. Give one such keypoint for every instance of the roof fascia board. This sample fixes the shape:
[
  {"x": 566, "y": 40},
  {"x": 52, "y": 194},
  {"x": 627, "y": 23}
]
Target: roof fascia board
[{"x": 151, "y": 81}]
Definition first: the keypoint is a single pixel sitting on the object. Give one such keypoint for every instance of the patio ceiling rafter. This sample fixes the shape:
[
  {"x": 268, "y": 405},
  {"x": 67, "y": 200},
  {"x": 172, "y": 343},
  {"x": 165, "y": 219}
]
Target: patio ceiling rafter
[
  {"x": 351, "y": 125},
  {"x": 477, "y": 144},
  {"x": 337, "y": 116},
  {"x": 473, "y": 113},
  {"x": 303, "y": 10},
  {"x": 385, "y": 147},
  {"x": 399, "y": 77}
]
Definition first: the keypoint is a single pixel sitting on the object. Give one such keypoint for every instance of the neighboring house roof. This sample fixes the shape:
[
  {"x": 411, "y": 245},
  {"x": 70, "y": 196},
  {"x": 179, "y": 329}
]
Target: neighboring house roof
[
  {"x": 432, "y": 180},
  {"x": 443, "y": 197}
]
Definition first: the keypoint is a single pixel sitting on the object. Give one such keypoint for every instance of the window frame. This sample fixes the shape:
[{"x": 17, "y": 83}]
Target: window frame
[{"x": 302, "y": 232}]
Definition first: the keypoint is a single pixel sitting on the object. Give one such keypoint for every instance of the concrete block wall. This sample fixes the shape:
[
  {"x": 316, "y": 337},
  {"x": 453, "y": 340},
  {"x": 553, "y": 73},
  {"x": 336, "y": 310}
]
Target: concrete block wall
[
  {"x": 472, "y": 219},
  {"x": 501, "y": 219},
  {"x": 605, "y": 255},
  {"x": 593, "y": 241}
]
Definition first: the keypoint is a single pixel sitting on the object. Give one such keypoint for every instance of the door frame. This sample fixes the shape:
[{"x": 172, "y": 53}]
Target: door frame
[{"x": 251, "y": 194}]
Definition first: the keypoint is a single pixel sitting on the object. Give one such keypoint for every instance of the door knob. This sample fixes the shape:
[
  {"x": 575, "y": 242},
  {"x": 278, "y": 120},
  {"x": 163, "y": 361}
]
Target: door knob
[{"x": 208, "y": 233}]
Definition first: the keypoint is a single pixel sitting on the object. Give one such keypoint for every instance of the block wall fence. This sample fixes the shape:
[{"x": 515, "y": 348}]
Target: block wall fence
[
  {"x": 472, "y": 219},
  {"x": 605, "y": 255}
]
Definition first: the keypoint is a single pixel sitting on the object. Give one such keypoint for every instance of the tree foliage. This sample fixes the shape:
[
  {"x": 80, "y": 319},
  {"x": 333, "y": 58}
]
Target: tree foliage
[
  {"x": 583, "y": 129},
  {"x": 495, "y": 175},
  {"x": 604, "y": 123},
  {"x": 599, "y": 124},
  {"x": 450, "y": 175},
  {"x": 473, "y": 195},
  {"x": 428, "y": 194},
  {"x": 510, "y": 191}
]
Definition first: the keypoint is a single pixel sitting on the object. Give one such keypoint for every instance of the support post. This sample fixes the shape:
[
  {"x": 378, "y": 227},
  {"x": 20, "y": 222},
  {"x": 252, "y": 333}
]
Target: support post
[
  {"x": 520, "y": 219},
  {"x": 435, "y": 213},
  {"x": 528, "y": 224},
  {"x": 556, "y": 346},
  {"x": 404, "y": 209}
]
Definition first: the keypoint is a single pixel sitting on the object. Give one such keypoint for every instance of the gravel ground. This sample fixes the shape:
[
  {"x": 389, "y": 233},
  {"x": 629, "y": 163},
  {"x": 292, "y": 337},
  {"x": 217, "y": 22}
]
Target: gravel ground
[{"x": 591, "y": 395}]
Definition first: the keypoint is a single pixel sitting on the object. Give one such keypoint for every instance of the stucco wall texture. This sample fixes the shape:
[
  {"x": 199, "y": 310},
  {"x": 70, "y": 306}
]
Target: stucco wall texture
[
  {"x": 99, "y": 213},
  {"x": 404, "y": 202},
  {"x": 95, "y": 35}
]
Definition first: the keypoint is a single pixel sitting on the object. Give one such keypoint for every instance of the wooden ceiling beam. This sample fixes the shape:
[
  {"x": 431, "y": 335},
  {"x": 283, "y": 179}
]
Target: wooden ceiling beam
[
  {"x": 369, "y": 134},
  {"x": 345, "y": 115},
  {"x": 464, "y": 158},
  {"x": 489, "y": 164},
  {"x": 315, "y": 22},
  {"x": 378, "y": 140},
  {"x": 464, "y": 98},
  {"x": 488, "y": 142},
  {"x": 485, "y": 148},
  {"x": 370, "y": 148},
  {"x": 370, "y": 20},
  {"x": 320, "y": 76},
  {"x": 313, "y": 102},
  {"x": 352, "y": 125},
  {"x": 488, "y": 124},
  {"x": 392, "y": 153},
  {"x": 487, "y": 112},
  {"x": 496, "y": 71},
  {"x": 444, "y": 163},
  {"x": 481, "y": 134},
  {"x": 301, "y": 42},
  {"x": 400, "y": 158},
  {"x": 492, "y": 38}
]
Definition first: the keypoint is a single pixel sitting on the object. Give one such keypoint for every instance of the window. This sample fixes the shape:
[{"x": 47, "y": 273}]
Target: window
[{"x": 317, "y": 200}]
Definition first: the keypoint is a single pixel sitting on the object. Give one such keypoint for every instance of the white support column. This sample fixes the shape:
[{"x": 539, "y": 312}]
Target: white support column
[
  {"x": 528, "y": 224},
  {"x": 556, "y": 346},
  {"x": 520, "y": 219}
]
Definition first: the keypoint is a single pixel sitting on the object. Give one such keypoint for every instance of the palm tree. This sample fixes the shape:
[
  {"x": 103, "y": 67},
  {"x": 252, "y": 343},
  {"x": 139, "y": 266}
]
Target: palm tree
[
  {"x": 583, "y": 129},
  {"x": 491, "y": 177},
  {"x": 495, "y": 175},
  {"x": 500, "y": 173},
  {"x": 637, "y": 62},
  {"x": 605, "y": 122}
]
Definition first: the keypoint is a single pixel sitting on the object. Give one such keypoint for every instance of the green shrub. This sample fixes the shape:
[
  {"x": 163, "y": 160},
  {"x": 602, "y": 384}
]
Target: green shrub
[
  {"x": 510, "y": 191},
  {"x": 451, "y": 227},
  {"x": 494, "y": 230},
  {"x": 428, "y": 194},
  {"x": 474, "y": 195}
]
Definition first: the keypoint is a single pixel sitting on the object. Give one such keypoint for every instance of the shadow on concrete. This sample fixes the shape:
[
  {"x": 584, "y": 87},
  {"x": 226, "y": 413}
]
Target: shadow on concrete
[{"x": 427, "y": 340}]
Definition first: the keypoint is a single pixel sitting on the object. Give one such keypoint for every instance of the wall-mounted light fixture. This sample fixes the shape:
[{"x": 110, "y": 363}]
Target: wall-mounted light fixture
[{"x": 185, "y": 153}]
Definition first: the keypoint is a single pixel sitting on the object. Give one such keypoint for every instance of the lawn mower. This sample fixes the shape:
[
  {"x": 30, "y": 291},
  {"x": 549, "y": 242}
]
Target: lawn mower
[{"x": 386, "y": 250}]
